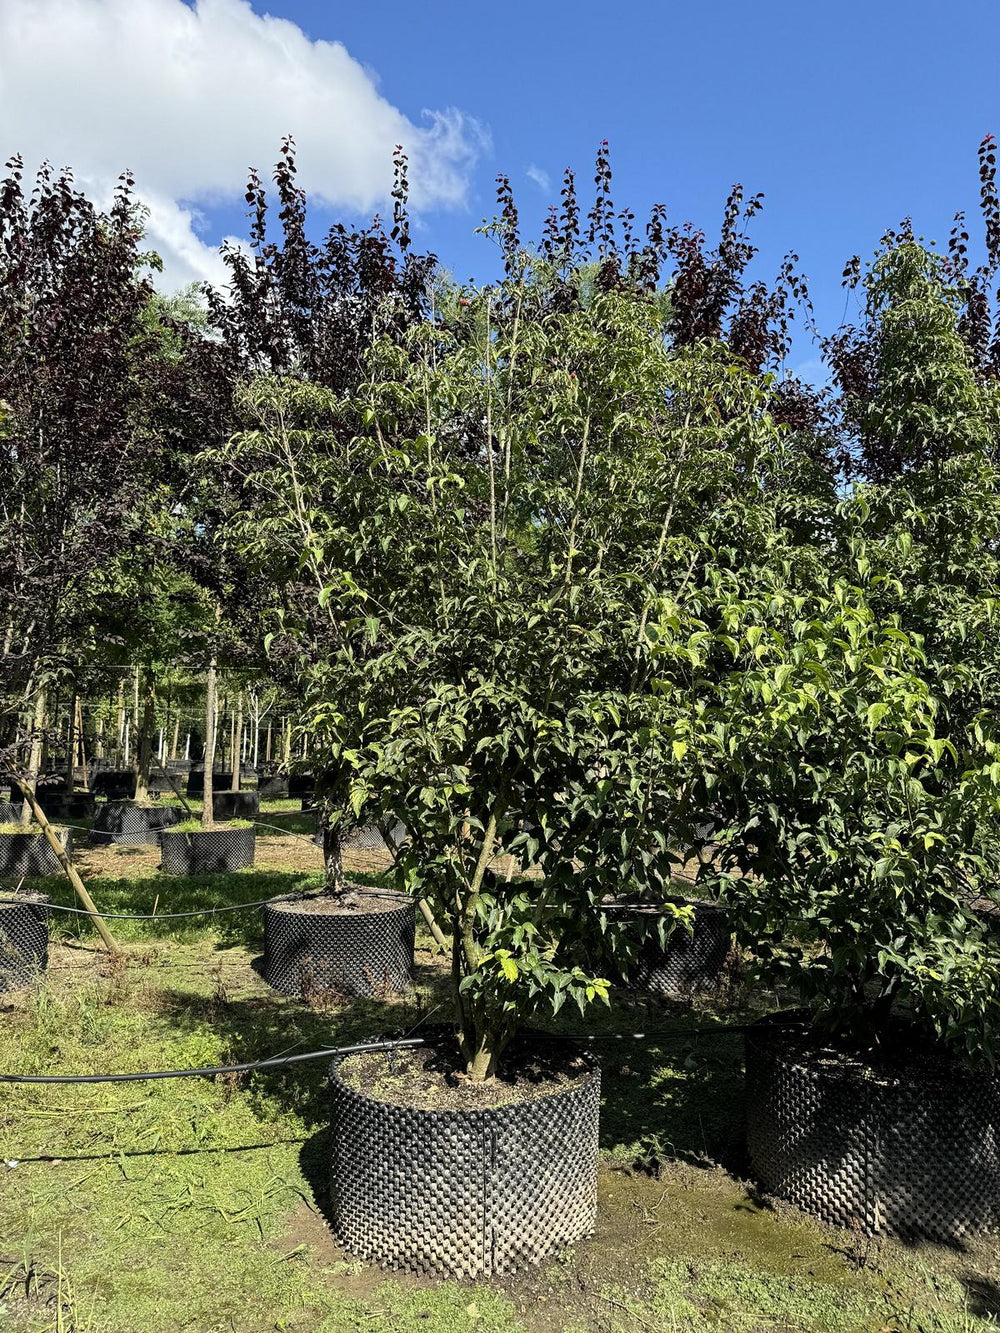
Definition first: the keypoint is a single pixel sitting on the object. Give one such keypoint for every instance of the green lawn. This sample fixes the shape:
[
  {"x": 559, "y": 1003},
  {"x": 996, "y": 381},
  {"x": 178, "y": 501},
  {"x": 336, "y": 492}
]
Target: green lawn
[{"x": 198, "y": 1204}]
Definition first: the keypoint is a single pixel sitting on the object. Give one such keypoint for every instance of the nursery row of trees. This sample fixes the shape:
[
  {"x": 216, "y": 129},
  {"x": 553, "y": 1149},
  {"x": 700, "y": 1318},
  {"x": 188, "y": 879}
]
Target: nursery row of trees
[{"x": 561, "y": 569}]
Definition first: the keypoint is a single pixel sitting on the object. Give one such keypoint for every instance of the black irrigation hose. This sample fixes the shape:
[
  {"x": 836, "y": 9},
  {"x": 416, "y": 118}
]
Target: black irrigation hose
[
  {"x": 213, "y": 1069},
  {"x": 331, "y": 1051}
]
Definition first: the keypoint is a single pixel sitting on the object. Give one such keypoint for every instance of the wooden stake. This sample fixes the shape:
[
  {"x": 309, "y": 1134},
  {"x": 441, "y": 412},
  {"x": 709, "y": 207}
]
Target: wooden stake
[{"x": 79, "y": 888}]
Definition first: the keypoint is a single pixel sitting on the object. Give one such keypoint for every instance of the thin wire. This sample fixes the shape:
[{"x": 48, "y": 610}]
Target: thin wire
[
  {"x": 332, "y": 1051},
  {"x": 359, "y": 889}
]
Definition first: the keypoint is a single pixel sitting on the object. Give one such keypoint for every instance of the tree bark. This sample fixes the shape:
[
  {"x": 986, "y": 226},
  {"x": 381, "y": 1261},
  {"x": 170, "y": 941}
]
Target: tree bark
[
  {"x": 146, "y": 735},
  {"x": 35, "y": 754},
  {"x": 82, "y": 743},
  {"x": 74, "y": 704},
  {"x": 207, "y": 816},
  {"x": 238, "y": 746}
]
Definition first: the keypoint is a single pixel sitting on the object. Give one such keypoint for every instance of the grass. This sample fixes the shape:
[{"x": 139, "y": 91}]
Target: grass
[{"x": 197, "y": 1204}]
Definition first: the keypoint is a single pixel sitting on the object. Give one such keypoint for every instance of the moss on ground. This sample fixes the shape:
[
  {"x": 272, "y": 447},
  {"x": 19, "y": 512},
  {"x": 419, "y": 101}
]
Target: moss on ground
[{"x": 198, "y": 1204}]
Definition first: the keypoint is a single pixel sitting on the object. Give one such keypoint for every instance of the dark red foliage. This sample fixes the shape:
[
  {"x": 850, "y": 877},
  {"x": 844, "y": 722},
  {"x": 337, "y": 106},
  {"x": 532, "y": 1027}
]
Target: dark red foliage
[{"x": 297, "y": 307}]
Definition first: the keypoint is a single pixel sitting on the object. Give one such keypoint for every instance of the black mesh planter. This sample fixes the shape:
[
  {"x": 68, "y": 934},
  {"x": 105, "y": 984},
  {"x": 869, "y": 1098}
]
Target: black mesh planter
[
  {"x": 301, "y": 784},
  {"x": 117, "y": 784},
  {"x": 71, "y": 805},
  {"x": 213, "y": 851},
  {"x": 24, "y": 938},
  {"x": 464, "y": 1193},
  {"x": 235, "y": 805},
  {"x": 29, "y": 853},
  {"x": 196, "y": 782},
  {"x": 364, "y": 949},
  {"x": 273, "y": 787},
  {"x": 912, "y": 1151},
  {"x": 10, "y": 812},
  {"x": 689, "y": 962},
  {"x": 137, "y": 824}
]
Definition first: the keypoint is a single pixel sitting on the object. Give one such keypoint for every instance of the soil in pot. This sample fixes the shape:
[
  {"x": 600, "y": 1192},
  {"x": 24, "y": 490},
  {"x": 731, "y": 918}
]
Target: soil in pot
[
  {"x": 359, "y": 942},
  {"x": 24, "y": 938},
  {"x": 434, "y": 1175},
  {"x": 905, "y": 1141},
  {"x": 191, "y": 849}
]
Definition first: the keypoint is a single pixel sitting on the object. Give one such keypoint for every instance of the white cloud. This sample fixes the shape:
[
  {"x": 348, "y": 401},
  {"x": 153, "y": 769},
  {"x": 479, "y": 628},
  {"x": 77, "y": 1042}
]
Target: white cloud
[
  {"x": 188, "y": 97},
  {"x": 540, "y": 177}
]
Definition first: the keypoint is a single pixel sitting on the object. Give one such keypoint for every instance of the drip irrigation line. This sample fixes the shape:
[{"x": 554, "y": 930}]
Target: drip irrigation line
[
  {"x": 210, "y": 1070},
  {"x": 361, "y": 1048}
]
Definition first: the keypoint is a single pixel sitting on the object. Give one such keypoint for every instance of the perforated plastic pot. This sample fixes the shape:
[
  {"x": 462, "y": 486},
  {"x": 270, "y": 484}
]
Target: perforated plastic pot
[
  {"x": 464, "y": 1193},
  {"x": 24, "y": 938},
  {"x": 62, "y": 805},
  {"x": 206, "y": 851},
  {"x": 29, "y": 854},
  {"x": 10, "y": 812},
  {"x": 235, "y": 804},
  {"x": 117, "y": 784},
  {"x": 196, "y": 782},
  {"x": 127, "y": 823},
  {"x": 358, "y": 953},
  {"x": 689, "y": 962},
  {"x": 914, "y": 1152}
]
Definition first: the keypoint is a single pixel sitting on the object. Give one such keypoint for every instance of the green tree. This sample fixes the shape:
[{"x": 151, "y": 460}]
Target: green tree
[{"x": 493, "y": 529}]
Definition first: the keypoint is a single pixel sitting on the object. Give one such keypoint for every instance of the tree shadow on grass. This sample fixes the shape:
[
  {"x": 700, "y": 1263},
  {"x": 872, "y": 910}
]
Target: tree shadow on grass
[
  {"x": 677, "y": 1101},
  {"x": 259, "y": 1027},
  {"x": 188, "y": 894}
]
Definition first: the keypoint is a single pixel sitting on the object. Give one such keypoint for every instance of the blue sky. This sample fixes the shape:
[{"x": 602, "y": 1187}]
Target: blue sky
[{"x": 846, "y": 115}]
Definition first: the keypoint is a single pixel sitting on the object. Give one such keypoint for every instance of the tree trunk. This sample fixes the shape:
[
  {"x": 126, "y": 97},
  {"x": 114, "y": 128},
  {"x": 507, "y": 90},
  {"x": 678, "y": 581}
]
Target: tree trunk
[
  {"x": 74, "y": 704},
  {"x": 35, "y": 756},
  {"x": 82, "y": 742},
  {"x": 267, "y": 746},
  {"x": 333, "y": 858},
  {"x": 120, "y": 752},
  {"x": 237, "y": 748},
  {"x": 207, "y": 817},
  {"x": 135, "y": 705},
  {"x": 177, "y": 736},
  {"x": 146, "y": 735}
]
